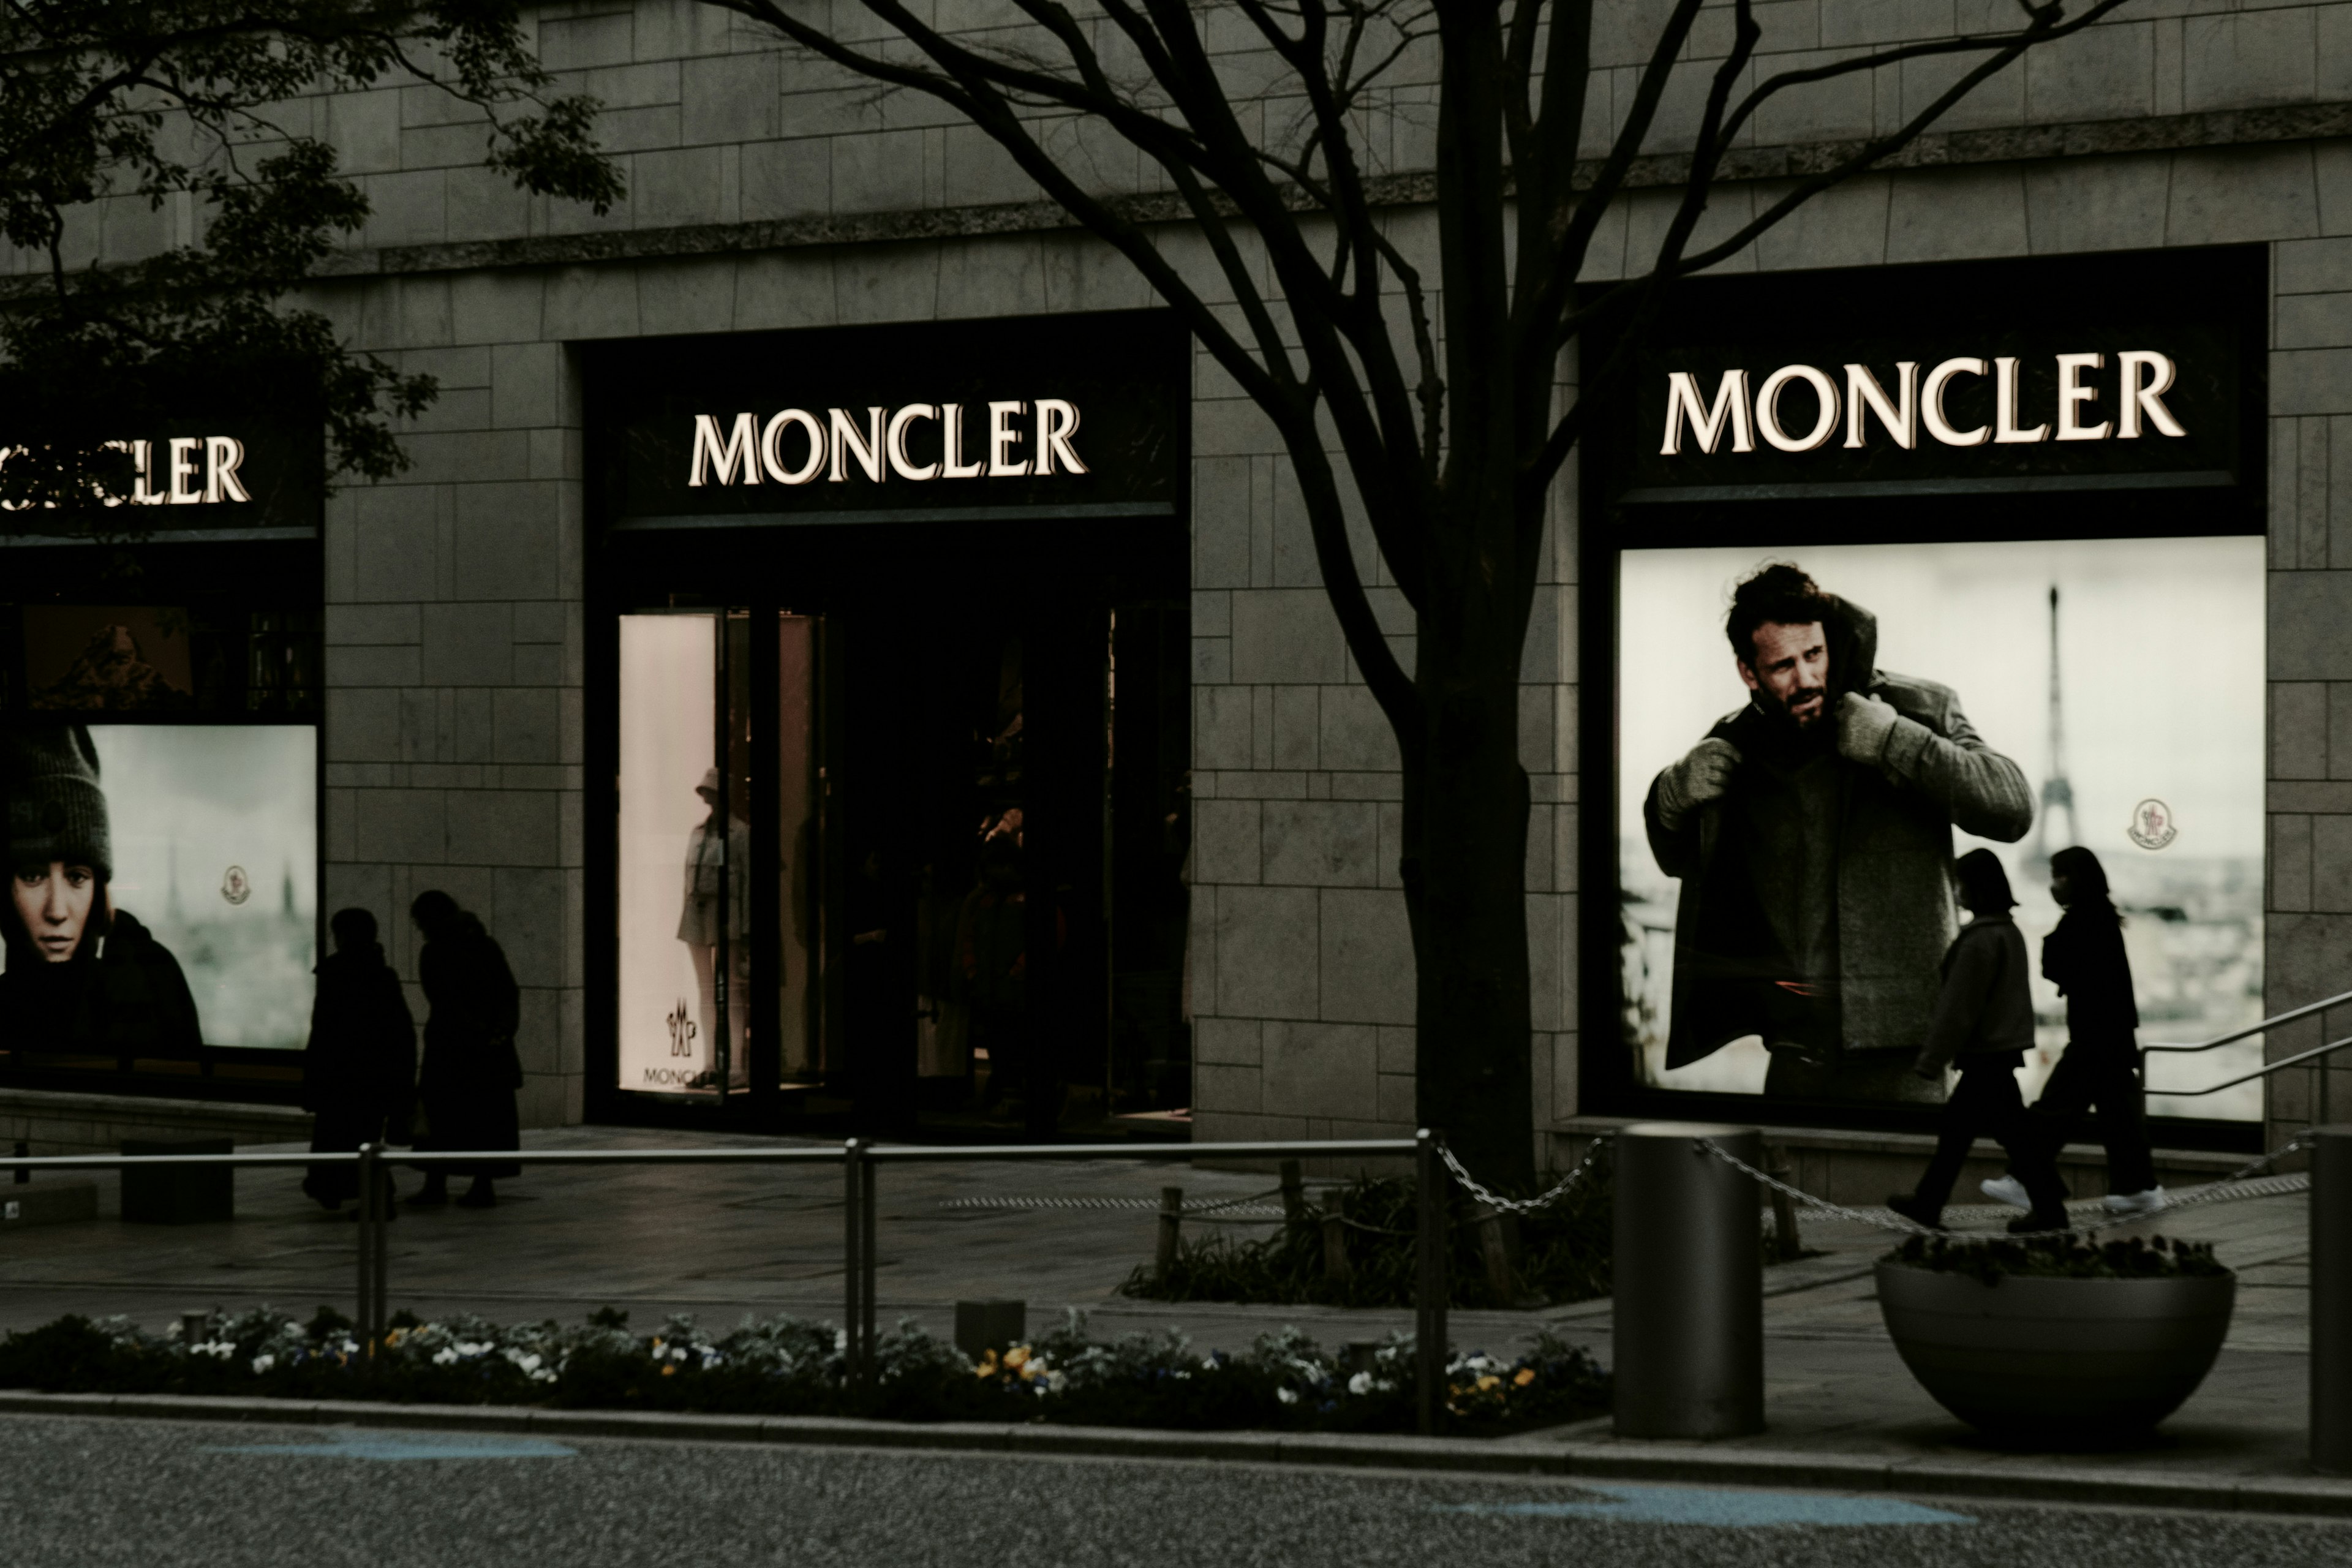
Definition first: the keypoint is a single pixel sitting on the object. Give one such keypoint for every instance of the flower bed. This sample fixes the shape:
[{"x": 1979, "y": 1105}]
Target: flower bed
[{"x": 792, "y": 1366}]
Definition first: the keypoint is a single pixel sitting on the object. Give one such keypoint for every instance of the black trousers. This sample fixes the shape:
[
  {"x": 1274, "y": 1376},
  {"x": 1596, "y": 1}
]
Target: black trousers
[
  {"x": 1986, "y": 1104},
  {"x": 2082, "y": 1082}
]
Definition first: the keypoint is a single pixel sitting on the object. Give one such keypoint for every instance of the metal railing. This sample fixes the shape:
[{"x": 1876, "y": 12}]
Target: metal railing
[
  {"x": 2251, "y": 1030},
  {"x": 860, "y": 1159}
]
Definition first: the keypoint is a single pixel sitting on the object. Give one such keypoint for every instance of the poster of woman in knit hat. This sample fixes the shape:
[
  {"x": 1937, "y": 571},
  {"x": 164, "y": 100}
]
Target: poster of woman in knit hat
[{"x": 162, "y": 883}]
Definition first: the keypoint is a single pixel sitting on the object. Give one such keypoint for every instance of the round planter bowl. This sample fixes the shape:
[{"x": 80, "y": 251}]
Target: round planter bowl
[{"x": 2071, "y": 1361}]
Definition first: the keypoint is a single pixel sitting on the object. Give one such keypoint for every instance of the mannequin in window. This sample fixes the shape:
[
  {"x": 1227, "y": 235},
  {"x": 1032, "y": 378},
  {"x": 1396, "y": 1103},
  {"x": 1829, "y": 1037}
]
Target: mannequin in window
[{"x": 712, "y": 857}]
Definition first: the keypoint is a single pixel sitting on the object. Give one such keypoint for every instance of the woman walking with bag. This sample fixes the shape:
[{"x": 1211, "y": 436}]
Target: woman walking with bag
[
  {"x": 1983, "y": 1025},
  {"x": 471, "y": 1071}
]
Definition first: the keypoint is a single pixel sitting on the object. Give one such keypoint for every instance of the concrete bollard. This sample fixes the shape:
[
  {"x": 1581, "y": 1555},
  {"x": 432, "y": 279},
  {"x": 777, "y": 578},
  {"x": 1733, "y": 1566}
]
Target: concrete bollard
[
  {"x": 2331, "y": 1299},
  {"x": 1689, "y": 1292}
]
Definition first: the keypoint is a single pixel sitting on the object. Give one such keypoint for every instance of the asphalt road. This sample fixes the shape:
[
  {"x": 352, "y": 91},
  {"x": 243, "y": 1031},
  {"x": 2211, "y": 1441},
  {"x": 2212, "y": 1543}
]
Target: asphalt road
[{"x": 76, "y": 1492}]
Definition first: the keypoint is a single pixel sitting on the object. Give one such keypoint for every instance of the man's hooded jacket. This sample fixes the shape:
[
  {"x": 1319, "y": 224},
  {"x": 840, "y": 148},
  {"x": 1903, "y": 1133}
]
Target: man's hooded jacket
[{"x": 1891, "y": 826}]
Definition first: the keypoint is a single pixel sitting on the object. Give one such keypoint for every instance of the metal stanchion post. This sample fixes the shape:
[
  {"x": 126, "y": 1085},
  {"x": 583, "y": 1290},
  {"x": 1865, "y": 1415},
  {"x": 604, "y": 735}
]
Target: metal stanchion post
[
  {"x": 364, "y": 1318},
  {"x": 852, "y": 1188},
  {"x": 1689, "y": 1283},
  {"x": 1171, "y": 1230},
  {"x": 1428, "y": 1289},
  {"x": 379, "y": 1304},
  {"x": 2331, "y": 1299},
  {"x": 867, "y": 1214}
]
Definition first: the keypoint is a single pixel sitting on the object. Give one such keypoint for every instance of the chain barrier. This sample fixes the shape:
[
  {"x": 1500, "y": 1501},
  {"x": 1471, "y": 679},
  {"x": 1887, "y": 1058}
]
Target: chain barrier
[
  {"x": 1520, "y": 1206},
  {"x": 2210, "y": 1193}
]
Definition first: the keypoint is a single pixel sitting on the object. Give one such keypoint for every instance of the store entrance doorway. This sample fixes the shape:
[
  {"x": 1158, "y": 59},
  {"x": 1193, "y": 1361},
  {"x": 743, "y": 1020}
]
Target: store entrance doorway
[{"x": 933, "y": 809}]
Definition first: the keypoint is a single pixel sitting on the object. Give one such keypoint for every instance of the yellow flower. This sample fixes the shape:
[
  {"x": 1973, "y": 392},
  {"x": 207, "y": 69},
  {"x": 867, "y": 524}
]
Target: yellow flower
[
  {"x": 1527, "y": 1376},
  {"x": 1016, "y": 1358},
  {"x": 669, "y": 1369},
  {"x": 1489, "y": 1382},
  {"x": 987, "y": 1367},
  {"x": 395, "y": 1337}
]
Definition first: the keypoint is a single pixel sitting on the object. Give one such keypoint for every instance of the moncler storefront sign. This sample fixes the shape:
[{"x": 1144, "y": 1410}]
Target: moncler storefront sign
[
  {"x": 2093, "y": 403},
  {"x": 917, "y": 442},
  {"x": 1081, "y": 417},
  {"x": 179, "y": 471}
]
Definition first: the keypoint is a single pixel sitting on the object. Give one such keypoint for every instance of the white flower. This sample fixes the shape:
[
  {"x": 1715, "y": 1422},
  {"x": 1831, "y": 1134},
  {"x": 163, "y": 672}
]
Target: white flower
[
  {"x": 1057, "y": 1380},
  {"x": 471, "y": 1348},
  {"x": 218, "y": 1349},
  {"x": 527, "y": 1363},
  {"x": 444, "y": 1357},
  {"x": 1361, "y": 1384},
  {"x": 841, "y": 1339},
  {"x": 1288, "y": 1395},
  {"x": 262, "y": 1363}
]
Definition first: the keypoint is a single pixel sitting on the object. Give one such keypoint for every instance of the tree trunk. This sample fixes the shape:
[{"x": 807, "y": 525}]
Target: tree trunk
[{"x": 1465, "y": 824}]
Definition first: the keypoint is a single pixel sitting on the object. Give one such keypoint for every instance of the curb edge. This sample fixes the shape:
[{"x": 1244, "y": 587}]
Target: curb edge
[{"x": 2315, "y": 1497}]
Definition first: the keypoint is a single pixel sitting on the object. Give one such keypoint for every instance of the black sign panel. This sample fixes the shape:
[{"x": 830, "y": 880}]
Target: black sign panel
[
  {"x": 2111, "y": 373},
  {"x": 197, "y": 475},
  {"x": 1077, "y": 415}
]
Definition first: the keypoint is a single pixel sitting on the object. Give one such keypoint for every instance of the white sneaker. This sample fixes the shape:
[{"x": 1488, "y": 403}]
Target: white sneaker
[
  {"x": 2148, "y": 1202},
  {"x": 2006, "y": 1190}
]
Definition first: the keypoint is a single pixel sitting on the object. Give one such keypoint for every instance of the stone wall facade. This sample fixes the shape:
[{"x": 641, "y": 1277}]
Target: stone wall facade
[{"x": 766, "y": 191}]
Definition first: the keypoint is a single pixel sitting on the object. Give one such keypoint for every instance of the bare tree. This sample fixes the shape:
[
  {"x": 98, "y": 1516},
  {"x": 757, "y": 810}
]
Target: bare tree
[{"x": 1436, "y": 400}]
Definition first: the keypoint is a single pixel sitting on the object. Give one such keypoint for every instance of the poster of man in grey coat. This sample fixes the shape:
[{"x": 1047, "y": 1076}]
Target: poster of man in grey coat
[{"x": 1812, "y": 831}]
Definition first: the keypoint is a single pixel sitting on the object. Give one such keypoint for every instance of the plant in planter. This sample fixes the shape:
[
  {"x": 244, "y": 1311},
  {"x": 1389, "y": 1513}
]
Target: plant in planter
[{"x": 2056, "y": 1340}]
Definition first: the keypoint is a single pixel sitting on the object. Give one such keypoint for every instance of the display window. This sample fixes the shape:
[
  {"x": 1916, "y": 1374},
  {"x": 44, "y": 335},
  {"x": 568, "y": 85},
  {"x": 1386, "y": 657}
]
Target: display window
[
  {"x": 160, "y": 760},
  {"x": 1899, "y": 566}
]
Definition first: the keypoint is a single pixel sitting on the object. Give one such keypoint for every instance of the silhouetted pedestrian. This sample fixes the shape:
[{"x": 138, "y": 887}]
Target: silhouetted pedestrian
[
  {"x": 471, "y": 1071},
  {"x": 2100, "y": 1068},
  {"x": 1984, "y": 1025},
  {"x": 359, "y": 1071}
]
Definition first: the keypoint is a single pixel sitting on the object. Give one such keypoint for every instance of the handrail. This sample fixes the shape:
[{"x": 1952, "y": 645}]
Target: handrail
[
  {"x": 2262, "y": 1071},
  {"x": 858, "y": 1160},
  {"x": 2251, "y": 1029}
]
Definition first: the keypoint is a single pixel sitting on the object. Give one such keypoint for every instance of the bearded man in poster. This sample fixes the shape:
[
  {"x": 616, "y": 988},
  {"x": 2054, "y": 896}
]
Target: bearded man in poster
[{"x": 1811, "y": 832}]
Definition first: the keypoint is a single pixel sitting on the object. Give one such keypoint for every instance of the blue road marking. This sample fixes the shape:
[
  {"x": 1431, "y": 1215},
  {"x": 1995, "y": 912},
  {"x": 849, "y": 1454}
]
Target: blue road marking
[
  {"x": 1723, "y": 1509},
  {"x": 343, "y": 1443}
]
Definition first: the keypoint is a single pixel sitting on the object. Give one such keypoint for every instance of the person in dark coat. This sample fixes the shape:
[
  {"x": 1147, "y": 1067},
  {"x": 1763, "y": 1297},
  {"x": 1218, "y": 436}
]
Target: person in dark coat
[
  {"x": 144, "y": 1000},
  {"x": 1984, "y": 1026},
  {"x": 471, "y": 1071},
  {"x": 359, "y": 1071},
  {"x": 2085, "y": 958}
]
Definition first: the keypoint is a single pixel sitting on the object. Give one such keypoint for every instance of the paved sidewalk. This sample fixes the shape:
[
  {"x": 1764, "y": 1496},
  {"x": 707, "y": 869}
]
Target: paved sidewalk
[{"x": 721, "y": 1241}]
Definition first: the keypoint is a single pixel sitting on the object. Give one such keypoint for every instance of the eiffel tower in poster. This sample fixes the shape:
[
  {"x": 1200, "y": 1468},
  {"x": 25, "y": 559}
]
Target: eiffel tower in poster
[{"x": 2057, "y": 793}]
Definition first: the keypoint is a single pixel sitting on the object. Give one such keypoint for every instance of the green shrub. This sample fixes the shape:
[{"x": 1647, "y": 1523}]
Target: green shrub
[
  {"x": 1563, "y": 1254},
  {"x": 2061, "y": 1257}
]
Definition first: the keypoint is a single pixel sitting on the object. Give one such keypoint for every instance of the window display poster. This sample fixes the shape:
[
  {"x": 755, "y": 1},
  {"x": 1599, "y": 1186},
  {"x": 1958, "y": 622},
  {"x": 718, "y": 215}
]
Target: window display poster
[
  {"x": 672, "y": 860},
  {"x": 163, "y": 886},
  {"x": 1788, "y": 812}
]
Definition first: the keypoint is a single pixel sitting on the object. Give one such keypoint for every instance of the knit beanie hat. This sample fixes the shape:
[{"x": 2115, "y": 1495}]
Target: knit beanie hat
[{"x": 56, "y": 809}]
